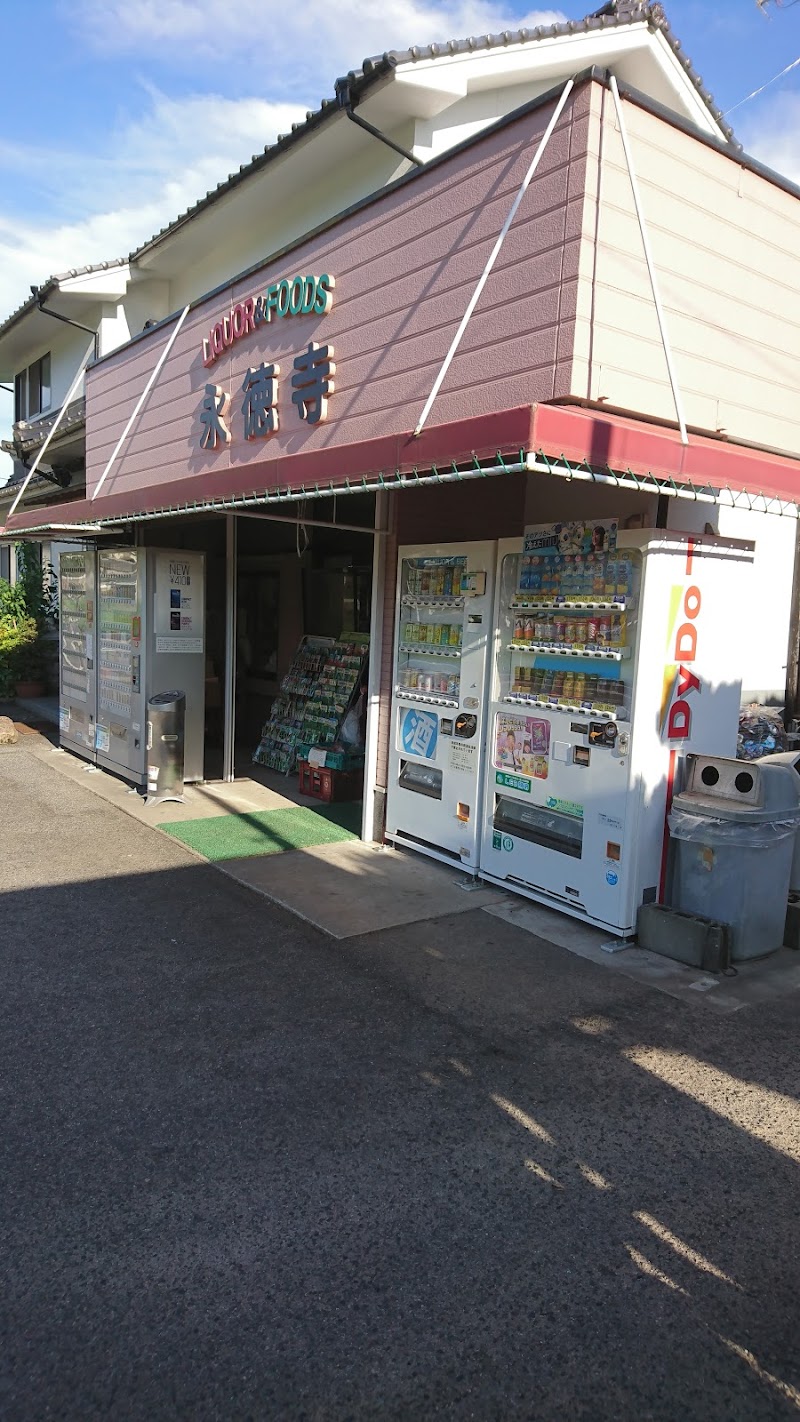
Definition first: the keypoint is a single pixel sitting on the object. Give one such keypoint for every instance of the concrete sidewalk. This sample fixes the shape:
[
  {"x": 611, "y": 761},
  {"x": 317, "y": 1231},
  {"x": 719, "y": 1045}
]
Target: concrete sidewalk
[{"x": 351, "y": 888}]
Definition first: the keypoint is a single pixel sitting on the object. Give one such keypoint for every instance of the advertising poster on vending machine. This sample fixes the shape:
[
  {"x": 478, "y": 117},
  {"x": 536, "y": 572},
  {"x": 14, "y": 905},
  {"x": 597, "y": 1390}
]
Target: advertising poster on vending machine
[
  {"x": 571, "y": 562},
  {"x": 522, "y": 743}
]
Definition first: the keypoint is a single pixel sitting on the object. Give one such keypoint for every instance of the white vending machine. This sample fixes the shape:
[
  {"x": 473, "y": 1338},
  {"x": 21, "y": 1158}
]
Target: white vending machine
[
  {"x": 78, "y": 696},
  {"x": 614, "y": 656},
  {"x": 144, "y": 634},
  {"x": 442, "y": 635}
]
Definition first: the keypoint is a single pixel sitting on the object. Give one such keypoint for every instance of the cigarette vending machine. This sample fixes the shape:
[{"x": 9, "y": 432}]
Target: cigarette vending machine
[
  {"x": 442, "y": 633},
  {"x": 614, "y": 656},
  {"x": 147, "y": 614},
  {"x": 78, "y": 696}
]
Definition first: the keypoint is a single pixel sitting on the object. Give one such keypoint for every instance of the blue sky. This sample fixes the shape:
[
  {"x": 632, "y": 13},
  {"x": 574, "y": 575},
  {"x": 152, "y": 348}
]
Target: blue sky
[{"x": 121, "y": 113}]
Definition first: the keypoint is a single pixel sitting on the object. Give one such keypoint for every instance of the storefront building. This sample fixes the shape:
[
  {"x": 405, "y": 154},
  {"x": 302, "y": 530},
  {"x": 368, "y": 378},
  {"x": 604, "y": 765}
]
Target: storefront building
[{"x": 565, "y": 318}]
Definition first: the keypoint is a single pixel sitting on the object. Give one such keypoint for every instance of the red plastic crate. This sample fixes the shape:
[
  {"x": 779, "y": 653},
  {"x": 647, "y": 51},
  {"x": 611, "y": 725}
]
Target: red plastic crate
[{"x": 329, "y": 785}]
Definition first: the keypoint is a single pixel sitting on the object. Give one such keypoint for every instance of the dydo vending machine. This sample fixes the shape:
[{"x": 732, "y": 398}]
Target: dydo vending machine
[
  {"x": 613, "y": 656},
  {"x": 442, "y": 635}
]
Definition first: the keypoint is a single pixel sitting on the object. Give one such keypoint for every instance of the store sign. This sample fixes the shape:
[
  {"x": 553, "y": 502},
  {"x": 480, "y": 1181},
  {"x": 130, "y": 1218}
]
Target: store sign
[
  {"x": 311, "y": 383},
  {"x": 294, "y": 296},
  {"x": 682, "y": 685}
]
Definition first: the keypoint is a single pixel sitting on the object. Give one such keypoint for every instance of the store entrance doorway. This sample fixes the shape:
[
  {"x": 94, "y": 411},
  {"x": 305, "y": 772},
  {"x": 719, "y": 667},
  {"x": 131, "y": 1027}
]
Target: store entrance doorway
[{"x": 303, "y": 604}]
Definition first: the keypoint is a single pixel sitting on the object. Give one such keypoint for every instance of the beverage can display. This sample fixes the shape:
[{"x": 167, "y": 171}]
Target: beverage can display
[
  {"x": 571, "y": 631},
  {"x": 591, "y": 631},
  {"x": 519, "y": 629},
  {"x": 441, "y": 683},
  {"x": 560, "y": 630},
  {"x": 530, "y": 629},
  {"x": 425, "y": 682},
  {"x": 455, "y": 634},
  {"x": 604, "y": 631}
]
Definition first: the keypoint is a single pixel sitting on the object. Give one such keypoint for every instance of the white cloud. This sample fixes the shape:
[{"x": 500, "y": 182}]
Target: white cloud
[
  {"x": 147, "y": 173},
  {"x": 101, "y": 205},
  {"x": 316, "y": 39},
  {"x": 773, "y": 134}
]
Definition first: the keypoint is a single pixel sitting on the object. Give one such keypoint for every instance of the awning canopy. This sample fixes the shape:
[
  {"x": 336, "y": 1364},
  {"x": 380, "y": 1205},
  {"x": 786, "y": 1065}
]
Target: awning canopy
[{"x": 563, "y": 440}]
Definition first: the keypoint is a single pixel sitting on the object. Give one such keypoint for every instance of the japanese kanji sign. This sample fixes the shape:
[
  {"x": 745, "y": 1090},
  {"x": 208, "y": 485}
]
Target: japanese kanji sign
[
  {"x": 213, "y": 412},
  {"x": 419, "y": 732},
  {"x": 311, "y": 384}
]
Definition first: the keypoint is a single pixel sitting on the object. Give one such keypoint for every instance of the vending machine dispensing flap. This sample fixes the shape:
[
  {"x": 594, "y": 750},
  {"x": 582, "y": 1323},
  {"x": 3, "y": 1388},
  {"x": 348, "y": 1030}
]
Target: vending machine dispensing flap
[
  {"x": 550, "y": 828},
  {"x": 422, "y": 779}
]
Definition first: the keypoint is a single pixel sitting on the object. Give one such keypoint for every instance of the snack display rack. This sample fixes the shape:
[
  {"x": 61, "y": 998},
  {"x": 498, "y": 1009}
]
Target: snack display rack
[
  {"x": 331, "y": 698},
  {"x": 282, "y": 734}
]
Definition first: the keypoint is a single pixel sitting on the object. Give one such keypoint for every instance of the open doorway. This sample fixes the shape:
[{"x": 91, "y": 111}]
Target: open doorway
[{"x": 303, "y": 600}]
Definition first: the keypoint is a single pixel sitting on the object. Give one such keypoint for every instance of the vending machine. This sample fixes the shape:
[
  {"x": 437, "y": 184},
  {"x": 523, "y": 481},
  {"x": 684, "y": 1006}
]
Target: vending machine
[
  {"x": 442, "y": 634},
  {"x": 147, "y": 614},
  {"x": 78, "y": 696},
  {"x": 613, "y": 657}
]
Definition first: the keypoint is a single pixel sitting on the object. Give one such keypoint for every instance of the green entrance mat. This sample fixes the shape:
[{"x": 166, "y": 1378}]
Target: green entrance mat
[{"x": 268, "y": 831}]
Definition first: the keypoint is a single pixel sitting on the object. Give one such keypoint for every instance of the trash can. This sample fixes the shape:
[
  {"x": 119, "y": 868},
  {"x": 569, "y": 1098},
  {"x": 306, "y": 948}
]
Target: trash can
[
  {"x": 792, "y": 759},
  {"x": 166, "y": 722},
  {"x": 733, "y": 832}
]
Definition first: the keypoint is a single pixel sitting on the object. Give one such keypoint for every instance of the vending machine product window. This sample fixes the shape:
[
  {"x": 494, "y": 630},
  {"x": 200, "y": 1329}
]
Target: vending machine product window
[{"x": 442, "y": 635}]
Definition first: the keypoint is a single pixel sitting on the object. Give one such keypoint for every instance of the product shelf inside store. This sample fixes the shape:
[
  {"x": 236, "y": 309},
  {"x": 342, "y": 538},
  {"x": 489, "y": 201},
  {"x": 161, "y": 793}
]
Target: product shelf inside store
[
  {"x": 429, "y": 698},
  {"x": 557, "y": 649},
  {"x": 429, "y": 649}
]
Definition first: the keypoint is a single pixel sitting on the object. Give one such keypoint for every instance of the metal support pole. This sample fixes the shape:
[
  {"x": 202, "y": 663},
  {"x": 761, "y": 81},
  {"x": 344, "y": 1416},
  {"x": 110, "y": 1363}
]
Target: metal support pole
[
  {"x": 368, "y": 830},
  {"x": 648, "y": 256},
  {"x": 484, "y": 276},
  {"x": 59, "y": 417},
  {"x": 139, "y": 403},
  {"x": 229, "y": 715}
]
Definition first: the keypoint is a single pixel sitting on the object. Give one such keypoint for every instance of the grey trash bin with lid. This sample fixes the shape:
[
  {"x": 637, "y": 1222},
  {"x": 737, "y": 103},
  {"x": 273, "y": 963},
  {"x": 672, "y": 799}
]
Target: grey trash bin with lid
[
  {"x": 166, "y": 726},
  {"x": 733, "y": 830}
]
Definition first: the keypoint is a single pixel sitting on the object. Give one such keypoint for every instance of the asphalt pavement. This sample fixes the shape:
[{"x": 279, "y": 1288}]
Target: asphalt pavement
[{"x": 446, "y": 1170}]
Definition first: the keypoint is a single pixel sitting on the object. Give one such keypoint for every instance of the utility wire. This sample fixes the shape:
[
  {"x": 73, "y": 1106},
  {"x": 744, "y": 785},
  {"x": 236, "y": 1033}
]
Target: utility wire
[{"x": 756, "y": 92}]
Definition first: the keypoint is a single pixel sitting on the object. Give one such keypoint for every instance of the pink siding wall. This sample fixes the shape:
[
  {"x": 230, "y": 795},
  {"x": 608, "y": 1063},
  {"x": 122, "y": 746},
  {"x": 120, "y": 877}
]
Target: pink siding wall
[{"x": 405, "y": 268}]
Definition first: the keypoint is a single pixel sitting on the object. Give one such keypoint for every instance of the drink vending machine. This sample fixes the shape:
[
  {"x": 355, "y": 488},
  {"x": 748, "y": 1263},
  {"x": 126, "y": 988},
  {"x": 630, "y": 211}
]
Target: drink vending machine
[
  {"x": 442, "y": 633},
  {"x": 78, "y": 694},
  {"x": 134, "y": 627},
  {"x": 612, "y": 658}
]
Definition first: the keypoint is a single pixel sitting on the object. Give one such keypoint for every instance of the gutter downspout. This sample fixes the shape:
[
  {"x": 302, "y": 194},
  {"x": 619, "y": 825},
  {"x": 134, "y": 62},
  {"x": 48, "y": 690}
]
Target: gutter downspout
[
  {"x": 56, "y": 315},
  {"x": 344, "y": 100}
]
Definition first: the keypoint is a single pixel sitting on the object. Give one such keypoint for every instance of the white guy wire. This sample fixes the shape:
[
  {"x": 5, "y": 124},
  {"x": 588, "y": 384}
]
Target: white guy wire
[
  {"x": 59, "y": 417},
  {"x": 139, "y": 403},
  {"x": 484, "y": 277},
  {"x": 756, "y": 92},
  {"x": 662, "y": 325}
]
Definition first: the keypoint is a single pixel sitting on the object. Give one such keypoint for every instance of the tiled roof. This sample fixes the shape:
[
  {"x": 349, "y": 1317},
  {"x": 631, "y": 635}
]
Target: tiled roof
[
  {"x": 612, "y": 15},
  {"x": 615, "y": 14},
  {"x": 52, "y": 282}
]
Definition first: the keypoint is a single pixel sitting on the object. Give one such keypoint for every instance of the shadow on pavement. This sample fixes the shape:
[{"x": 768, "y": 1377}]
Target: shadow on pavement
[{"x": 446, "y": 1170}]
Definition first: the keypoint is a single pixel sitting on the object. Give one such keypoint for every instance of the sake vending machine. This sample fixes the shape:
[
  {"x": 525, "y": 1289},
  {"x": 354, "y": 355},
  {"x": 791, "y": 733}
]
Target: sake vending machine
[
  {"x": 612, "y": 659},
  {"x": 78, "y": 696},
  {"x": 134, "y": 627},
  {"x": 442, "y": 634}
]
